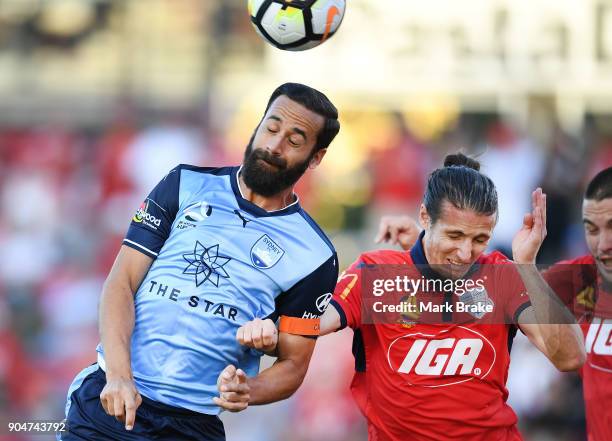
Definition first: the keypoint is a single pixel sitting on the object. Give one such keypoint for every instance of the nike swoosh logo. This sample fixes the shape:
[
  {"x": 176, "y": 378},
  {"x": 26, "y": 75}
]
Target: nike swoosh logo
[{"x": 331, "y": 14}]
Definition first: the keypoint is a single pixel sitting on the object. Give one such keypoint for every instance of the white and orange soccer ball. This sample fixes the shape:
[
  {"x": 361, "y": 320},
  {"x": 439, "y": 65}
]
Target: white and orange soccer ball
[{"x": 296, "y": 25}]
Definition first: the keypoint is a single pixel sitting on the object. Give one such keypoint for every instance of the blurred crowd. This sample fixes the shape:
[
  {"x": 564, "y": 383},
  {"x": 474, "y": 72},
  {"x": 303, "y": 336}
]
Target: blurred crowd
[
  {"x": 100, "y": 99},
  {"x": 67, "y": 196}
]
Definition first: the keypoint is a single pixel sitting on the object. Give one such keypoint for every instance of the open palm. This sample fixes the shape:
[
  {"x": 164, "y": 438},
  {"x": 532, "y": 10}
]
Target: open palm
[{"x": 527, "y": 241}]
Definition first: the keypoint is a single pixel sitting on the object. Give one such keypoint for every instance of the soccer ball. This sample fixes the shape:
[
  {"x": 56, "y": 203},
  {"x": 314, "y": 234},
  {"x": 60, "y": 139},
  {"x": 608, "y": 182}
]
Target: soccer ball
[{"x": 296, "y": 25}]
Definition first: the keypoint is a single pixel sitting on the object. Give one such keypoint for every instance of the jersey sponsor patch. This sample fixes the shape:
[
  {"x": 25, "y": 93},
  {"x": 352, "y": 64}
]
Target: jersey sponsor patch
[
  {"x": 144, "y": 217},
  {"x": 266, "y": 253},
  {"x": 443, "y": 359}
]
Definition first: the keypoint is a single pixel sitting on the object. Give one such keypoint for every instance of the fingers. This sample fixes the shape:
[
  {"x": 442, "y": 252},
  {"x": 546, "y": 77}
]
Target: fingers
[
  {"x": 248, "y": 334},
  {"x": 234, "y": 395},
  {"x": 269, "y": 335},
  {"x": 119, "y": 409},
  {"x": 234, "y": 388},
  {"x": 528, "y": 220},
  {"x": 393, "y": 233},
  {"x": 242, "y": 378},
  {"x": 240, "y": 336},
  {"x": 226, "y": 375},
  {"x": 382, "y": 234},
  {"x": 121, "y": 400},
  {"x": 258, "y": 334},
  {"x": 130, "y": 411},
  {"x": 229, "y": 405}
]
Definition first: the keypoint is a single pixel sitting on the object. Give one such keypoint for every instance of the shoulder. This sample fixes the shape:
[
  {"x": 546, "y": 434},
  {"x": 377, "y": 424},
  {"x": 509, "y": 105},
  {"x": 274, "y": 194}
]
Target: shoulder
[
  {"x": 385, "y": 257},
  {"x": 317, "y": 229},
  {"x": 580, "y": 269}
]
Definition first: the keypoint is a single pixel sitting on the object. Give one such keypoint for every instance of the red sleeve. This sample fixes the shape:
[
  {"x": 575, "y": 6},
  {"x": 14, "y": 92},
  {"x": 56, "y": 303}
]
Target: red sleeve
[
  {"x": 347, "y": 296},
  {"x": 509, "y": 286},
  {"x": 516, "y": 298}
]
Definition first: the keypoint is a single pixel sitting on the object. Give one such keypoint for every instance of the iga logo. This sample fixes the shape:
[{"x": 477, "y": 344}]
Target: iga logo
[
  {"x": 431, "y": 361},
  {"x": 143, "y": 216},
  {"x": 599, "y": 344}
]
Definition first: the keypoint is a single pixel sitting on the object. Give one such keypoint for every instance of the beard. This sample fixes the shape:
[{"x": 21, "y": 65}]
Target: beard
[{"x": 268, "y": 175}]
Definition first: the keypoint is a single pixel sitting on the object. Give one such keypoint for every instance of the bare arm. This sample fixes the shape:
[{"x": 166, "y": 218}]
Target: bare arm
[
  {"x": 284, "y": 377},
  {"x": 563, "y": 344},
  {"x": 547, "y": 323},
  {"x": 330, "y": 321},
  {"x": 276, "y": 383},
  {"x": 119, "y": 397}
]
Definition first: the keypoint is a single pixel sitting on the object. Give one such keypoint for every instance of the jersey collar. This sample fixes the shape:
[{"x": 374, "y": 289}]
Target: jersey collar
[{"x": 254, "y": 209}]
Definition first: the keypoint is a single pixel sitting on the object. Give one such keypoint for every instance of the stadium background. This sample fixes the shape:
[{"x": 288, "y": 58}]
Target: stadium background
[{"x": 100, "y": 98}]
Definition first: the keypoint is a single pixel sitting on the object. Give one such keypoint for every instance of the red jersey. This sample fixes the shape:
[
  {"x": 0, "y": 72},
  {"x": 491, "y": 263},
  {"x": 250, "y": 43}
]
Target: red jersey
[
  {"x": 580, "y": 286},
  {"x": 425, "y": 382}
]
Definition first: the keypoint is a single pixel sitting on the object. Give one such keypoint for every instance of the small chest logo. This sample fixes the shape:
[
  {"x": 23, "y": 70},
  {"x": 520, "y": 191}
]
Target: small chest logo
[
  {"x": 266, "y": 253},
  {"x": 194, "y": 214},
  {"x": 323, "y": 302},
  {"x": 477, "y": 302}
]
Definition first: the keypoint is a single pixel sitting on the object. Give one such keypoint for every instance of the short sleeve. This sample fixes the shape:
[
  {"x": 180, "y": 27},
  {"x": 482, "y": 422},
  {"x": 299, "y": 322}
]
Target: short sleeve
[
  {"x": 347, "y": 296},
  {"x": 508, "y": 288},
  {"x": 301, "y": 307},
  {"x": 152, "y": 222}
]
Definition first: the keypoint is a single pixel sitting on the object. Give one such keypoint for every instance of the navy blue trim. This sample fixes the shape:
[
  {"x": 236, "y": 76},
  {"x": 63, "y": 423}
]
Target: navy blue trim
[
  {"x": 137, "y": 248},
  {"x": 318, "y": 230},
  {"x": 519, "y": 310},
  {"x": 447, "y": 314},
  {"x": 341, "y": 313},
  {"x": 217, "y": 171},
  {"x": 252, "y": 208},
  {"x": 359, "y": 351},
  {"x": 511, "y": 334}
]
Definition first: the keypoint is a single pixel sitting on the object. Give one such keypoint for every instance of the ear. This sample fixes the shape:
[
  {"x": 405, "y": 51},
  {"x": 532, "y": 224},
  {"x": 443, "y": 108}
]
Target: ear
[
  {"x": 317, "y": 158},
  {"x": 424, "y": 218}
]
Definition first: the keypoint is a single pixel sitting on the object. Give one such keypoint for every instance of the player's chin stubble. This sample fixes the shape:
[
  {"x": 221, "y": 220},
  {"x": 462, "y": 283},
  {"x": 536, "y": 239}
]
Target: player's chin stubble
[{"x": 271, "y": 178}]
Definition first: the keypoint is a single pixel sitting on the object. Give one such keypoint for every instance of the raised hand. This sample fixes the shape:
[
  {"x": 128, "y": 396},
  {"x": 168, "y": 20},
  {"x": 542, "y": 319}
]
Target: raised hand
[
  {"x": 527, "y": 241},
  {"x": 398, "y": 230}
]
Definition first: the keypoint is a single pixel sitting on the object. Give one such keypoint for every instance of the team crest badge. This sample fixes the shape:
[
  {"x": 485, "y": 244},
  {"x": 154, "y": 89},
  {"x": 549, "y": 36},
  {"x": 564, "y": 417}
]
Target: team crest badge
[
  {"x": 266, "y": 253},
  {"x": 477, "y": 297}
]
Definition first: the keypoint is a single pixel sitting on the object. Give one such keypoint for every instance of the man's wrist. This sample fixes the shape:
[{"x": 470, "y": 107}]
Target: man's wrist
[{"x": 119, "y": 374}]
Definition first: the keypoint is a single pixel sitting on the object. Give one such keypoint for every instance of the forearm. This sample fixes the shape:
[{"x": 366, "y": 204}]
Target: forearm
[
  {"x": 116, "y": 326},
  {"x": 559, "y": 334},
  {"x": 276, "y": 383}
]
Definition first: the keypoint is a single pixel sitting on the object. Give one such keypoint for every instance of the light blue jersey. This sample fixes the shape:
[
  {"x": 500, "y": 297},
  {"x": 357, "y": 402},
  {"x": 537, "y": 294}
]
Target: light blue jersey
[{"x": 220, "y": 261}]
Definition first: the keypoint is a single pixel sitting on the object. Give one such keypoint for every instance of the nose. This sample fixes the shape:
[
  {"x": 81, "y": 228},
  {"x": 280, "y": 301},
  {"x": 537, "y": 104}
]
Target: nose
[
  {"x": 464, "y": 251},
  {"x": 605, "y": 242},
  {"x": 275, "y": 144}
]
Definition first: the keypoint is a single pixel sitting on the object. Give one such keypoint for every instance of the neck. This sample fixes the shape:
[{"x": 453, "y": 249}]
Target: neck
[{"x": 269, "y": 203}]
